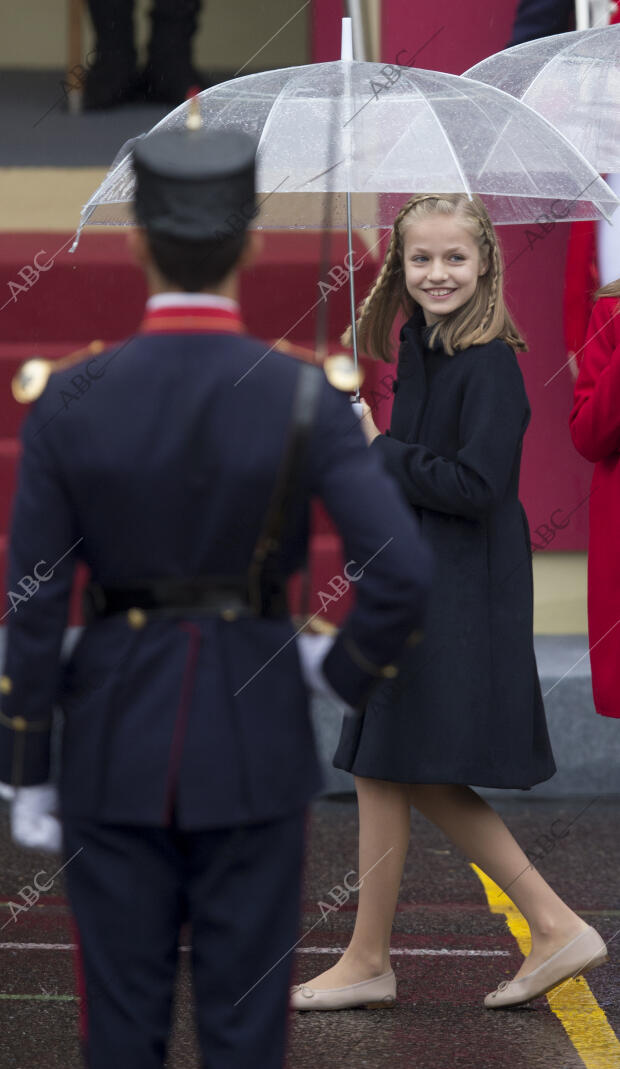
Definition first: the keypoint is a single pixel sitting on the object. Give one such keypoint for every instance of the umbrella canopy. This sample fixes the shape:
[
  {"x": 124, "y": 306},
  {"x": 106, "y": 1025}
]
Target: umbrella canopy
[
  {"x": 382, "y": 132},
  {"x": 573, "y": 79}
]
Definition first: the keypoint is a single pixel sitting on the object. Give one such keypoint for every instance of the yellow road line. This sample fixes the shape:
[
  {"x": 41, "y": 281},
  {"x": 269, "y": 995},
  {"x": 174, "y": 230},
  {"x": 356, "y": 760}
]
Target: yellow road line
[{"x": 573, "y": 1003}]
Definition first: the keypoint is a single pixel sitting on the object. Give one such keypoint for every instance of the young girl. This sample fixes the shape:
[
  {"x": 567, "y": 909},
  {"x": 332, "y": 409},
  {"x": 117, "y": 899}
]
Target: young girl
[
  {"x": 466, "y": 707},
  {"x": 595, "y": 429}
]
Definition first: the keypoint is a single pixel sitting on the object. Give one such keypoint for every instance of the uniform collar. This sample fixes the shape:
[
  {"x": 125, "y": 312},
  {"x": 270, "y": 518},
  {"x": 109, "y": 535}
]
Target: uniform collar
[{"x": 191, "y": 313}]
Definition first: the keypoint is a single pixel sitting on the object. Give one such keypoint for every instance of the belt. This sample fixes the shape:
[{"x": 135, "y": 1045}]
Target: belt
[{"x": 167, "y": 598}]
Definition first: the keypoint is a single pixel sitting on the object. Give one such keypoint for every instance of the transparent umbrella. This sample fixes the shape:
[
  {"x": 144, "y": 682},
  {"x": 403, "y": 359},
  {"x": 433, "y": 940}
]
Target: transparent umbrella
[
  {"x": 350, "y": 142},
  {"x": 573, "y": 79},
  {"x": 381, "y": 133}
]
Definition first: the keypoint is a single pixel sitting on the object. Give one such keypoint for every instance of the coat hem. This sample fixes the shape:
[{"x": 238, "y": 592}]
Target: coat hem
[{"x": 475, "y": 781}]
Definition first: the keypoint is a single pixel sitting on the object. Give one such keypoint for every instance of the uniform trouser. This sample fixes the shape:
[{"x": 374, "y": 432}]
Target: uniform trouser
[{"x": 131, "y": 888}]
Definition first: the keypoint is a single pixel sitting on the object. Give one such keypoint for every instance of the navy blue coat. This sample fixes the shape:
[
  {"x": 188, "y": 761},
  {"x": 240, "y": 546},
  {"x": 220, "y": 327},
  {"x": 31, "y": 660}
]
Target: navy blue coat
[
  {"x": 164, "y": 466},
  {"x": 466, "y": 706}
]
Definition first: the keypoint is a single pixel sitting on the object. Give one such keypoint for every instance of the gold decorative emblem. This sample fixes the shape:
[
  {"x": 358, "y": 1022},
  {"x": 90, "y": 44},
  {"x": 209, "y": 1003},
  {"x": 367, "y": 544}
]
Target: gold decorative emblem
[
  {"x": 30, "y": 380},
  {"x": 341, "y": 373},
  {"x": 136, "y": 618}
]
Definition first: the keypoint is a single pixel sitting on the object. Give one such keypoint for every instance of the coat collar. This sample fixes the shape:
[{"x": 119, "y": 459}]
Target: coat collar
[{"x": 411, "y": 376}]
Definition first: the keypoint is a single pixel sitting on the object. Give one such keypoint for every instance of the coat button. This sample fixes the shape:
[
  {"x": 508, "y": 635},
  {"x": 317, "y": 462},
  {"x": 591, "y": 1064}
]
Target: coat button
[
  {"x": 19, "y": 723},
  {"x": 6, "y": 685},
  {"x": 136, "y": 618},
  {"x": 390, "y": 671},
  {"x": 229, "y": 614}
]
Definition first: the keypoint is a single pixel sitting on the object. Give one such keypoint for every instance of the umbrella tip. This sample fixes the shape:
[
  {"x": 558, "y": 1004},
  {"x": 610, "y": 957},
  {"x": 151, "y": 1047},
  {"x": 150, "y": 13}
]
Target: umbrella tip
[{"x": 346, "y": 46}]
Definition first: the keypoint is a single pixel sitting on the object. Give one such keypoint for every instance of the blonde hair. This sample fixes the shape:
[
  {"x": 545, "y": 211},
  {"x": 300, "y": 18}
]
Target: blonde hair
[
  {"x": 612, "y": 289},
  {"x": 481, "y": 319}
]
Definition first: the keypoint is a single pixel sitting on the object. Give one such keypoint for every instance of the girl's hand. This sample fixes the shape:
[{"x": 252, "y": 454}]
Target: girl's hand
[{"x": 368, "y": 425}]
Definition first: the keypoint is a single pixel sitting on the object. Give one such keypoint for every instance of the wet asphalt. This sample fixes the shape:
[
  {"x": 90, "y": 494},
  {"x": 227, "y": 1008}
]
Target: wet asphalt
[{"x": 439, "y": 1021}]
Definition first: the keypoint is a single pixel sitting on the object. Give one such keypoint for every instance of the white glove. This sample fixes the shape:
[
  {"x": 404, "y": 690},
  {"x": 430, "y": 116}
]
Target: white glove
[
  {"x": 6, "y": 792},
  {"x": 313, "y": 650},
  {"x": 33, "y": 818}
]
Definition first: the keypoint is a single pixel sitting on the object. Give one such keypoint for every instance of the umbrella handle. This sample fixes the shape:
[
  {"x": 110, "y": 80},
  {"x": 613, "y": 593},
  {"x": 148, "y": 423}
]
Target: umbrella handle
[
  {"x": 352, "y": 290},
  {"x": 346, "y": 55}
]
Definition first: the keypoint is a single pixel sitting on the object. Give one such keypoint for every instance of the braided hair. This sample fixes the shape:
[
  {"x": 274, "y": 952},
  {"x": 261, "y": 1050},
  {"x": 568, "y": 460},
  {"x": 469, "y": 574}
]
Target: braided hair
[{"x": 481, "y": 319}]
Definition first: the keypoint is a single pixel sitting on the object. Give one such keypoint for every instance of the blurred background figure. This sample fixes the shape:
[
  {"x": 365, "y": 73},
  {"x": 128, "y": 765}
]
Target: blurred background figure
[
  {"x": 541, "y": 18},
  {"x": 168, "y": 75},
  {"x": 593, "y": 256},
  {"x": 595, "y": 430}
]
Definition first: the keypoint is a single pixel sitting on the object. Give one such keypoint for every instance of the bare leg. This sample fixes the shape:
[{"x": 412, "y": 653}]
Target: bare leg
[
  {"x": 384, "y": 829},
  {"x": 476, "y": 829}
]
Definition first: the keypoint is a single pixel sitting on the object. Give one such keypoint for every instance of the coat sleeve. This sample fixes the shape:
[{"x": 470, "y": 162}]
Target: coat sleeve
[
  {"x": 42, "y": 555},
  {"x": 387, "y": 561},
  {"x": 493, "y": 418},
  {"x": 595, "y": 418}
]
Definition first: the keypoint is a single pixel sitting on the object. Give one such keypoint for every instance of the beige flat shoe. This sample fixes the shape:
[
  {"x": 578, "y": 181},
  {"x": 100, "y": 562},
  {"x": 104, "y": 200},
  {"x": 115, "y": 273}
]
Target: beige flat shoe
[
  {"x": 376, "y": 994},
  {"x": 584, "y": 952}
]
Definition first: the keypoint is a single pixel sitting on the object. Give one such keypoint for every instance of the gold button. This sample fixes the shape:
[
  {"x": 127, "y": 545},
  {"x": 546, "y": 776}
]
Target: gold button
[
  {"x": 19, "y": 723},
  {"x": 229, "y": 614},
  {"x": 6, "y": 685},
  {"x": 390, "y": 671},
  {"x": 136, "y": 618}
]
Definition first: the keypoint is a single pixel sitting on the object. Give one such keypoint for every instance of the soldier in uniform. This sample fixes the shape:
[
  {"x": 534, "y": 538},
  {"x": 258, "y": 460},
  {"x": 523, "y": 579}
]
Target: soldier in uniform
[{"x": 182, "y": 479}]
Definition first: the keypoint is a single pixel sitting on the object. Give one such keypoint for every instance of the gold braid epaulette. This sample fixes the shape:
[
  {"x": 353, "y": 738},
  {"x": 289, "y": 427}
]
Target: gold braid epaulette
[{"x": 32, "y": 376}]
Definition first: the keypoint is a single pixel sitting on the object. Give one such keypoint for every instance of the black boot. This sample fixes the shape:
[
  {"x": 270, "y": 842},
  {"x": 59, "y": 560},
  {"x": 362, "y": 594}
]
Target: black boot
[
  {"x": 113, "y": 78},
  {"x": 169, "y": 73}
]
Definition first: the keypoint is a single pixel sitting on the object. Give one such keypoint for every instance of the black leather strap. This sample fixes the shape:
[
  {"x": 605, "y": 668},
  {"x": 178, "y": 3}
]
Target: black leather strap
[
  {"x": 263, "y": 572},
  {"x": 176, "y": 597}
]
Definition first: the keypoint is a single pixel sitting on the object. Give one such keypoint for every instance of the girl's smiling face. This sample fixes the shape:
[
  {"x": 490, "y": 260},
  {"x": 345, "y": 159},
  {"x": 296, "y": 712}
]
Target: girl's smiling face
[{"x": 442, "y": 264}]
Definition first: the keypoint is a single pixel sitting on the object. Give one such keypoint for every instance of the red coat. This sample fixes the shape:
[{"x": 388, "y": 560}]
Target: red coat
[{"x": 595, "y": 430}]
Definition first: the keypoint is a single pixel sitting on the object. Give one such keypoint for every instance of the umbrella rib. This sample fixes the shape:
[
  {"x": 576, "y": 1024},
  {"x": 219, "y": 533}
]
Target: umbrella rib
[
  {"x": 466, "y": 184},
  {"x": 268, "y": 123},
  {"x": 498, "y": 136},
  {"x": 424, "y": 100},
  {"x": 564, "y": 50},
  {"x": 539, "y": 120}
]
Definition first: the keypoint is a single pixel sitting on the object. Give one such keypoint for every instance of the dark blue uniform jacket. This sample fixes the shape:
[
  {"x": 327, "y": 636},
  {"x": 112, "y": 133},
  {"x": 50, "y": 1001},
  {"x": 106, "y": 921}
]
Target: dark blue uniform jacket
[{"x": 163, "y": 467}]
